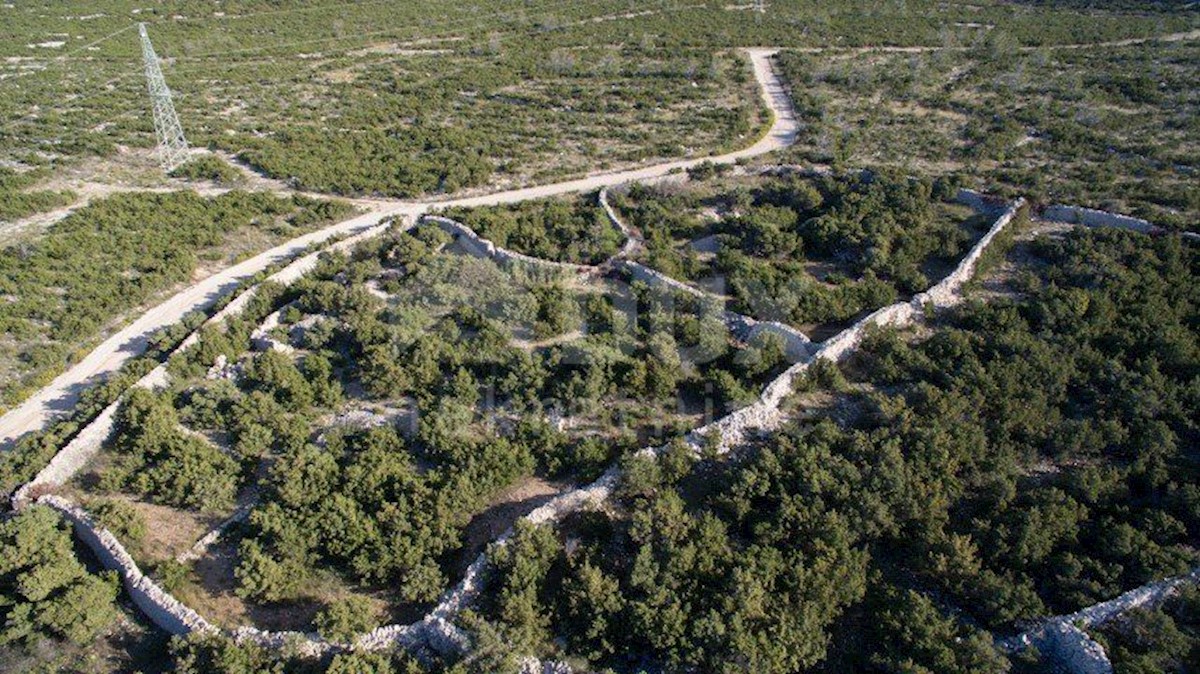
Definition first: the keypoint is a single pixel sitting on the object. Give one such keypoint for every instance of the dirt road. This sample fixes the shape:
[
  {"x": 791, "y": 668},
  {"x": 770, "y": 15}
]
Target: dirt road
[{"x": 60, "y": 395}]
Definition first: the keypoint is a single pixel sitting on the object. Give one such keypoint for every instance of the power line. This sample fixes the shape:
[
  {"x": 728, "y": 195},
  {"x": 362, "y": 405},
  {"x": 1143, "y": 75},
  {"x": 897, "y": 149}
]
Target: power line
[
  {"x": 172, "y": 146},
  {"x": 68, "y": 56},
  {"x": 478, "y": 19}
]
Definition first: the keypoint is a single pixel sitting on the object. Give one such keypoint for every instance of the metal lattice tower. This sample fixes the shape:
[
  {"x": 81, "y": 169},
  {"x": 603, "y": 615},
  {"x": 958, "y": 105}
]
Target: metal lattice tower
[
  {"x": 172, "y": 146},
  {"x": 760, "y": 8}
]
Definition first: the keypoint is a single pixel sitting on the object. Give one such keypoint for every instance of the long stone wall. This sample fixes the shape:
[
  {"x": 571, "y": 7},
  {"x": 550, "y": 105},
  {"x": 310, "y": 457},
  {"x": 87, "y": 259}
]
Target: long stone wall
[
  {"x": 69, "y": 460},
  {"x": 159, "y": 606},
  {"x": 437, "y": 629},
  {"x": 633, "y": 240},
  {"x": 797, "y": 345},
  {"x": 1090, "y": 217}
]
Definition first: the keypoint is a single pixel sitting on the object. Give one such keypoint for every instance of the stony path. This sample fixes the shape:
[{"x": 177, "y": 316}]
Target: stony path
[{"x": 60, "y": 395}]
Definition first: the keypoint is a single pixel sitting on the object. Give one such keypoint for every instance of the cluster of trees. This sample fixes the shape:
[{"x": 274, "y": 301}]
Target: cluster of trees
[
  {"x": 567, "y": 230},
  {"x": 46, "y": 594},
  {"x": 158, "y": 459},
  {"x": 116, "y": 253},
  {"x": 878, "y": 234},
  {"x": 753, "y": 567},
  {"x": 362, "y": 505},
  {"x": 1028, "y": 458},
  {"x": 1101, "y": 391}
]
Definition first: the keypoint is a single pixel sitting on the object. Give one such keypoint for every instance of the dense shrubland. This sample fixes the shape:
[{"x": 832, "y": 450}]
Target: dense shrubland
[
  {"x": 566, "y": 230},
  {"x": 1028, "y": 458},
  {"x": 16, "y": 201},
  {"x": 467, "y": 412},
  {"x": 67, "y": 286},
  {"x": 805, "y": 249}
]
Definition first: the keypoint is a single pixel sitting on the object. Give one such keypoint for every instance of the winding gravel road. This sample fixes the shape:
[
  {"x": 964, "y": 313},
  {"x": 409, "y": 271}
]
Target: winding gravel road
[{"x": 60, "y": 396}]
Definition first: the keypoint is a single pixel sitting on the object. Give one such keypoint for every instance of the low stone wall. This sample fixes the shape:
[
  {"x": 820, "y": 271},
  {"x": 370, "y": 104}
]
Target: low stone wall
[
  {"x": 476, "y": 245},
  {"x": 1088, "y": 217},
  {"x": 1061, "y": 639},
  {"x": 1071, "y": 650},
  {"x": 640, "y": 272},
  {"x": 262, "y": 339},
  {"x": 207, "y": 540},
  {"x": 1151, "y": 594},
  {"x": 948, "y": 291},
  {"x": 797, "y": 345},
  {"x": 535, "y": 666},
  {"x": 979, "y": 202},
  {"x": 159, "y": 606}
]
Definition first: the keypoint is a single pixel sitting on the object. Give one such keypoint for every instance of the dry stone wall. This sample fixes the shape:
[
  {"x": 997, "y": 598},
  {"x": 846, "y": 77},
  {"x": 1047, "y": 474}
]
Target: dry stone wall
[
  {"x": 159, "y": 606},
  {"x": 69, "y": 460},
  {"x": 437, "y": 630},
  {"x": 1071, "y": 650},
  {"x": 1088, "y": 217},
  {"x": 797, "y": 345},
  {"x": 1062, "y": 641},
  {"x": 207, "y": 540},
  {"x": 632, "y": 239},
  {"x": 476, "y": 245}
]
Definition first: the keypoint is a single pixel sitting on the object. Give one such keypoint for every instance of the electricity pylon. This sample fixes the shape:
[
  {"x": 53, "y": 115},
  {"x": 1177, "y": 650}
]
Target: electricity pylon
[
  {"x": 760, "y": 8},
  {"x": 172, "y": 146}
]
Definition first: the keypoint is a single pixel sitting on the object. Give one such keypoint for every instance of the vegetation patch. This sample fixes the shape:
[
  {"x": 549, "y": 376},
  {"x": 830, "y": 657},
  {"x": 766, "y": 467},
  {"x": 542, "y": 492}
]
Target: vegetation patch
[
  {"x": 17, "y": 201},
  {"x": 800, "y": 249},
  {"x": 208, "y": 168},
  {"x": 564, "y": 230},
  {"x": 959, "y": 486},
  {"x": 1111, "y": 128},
  {"x": 61, "y": 291}
]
